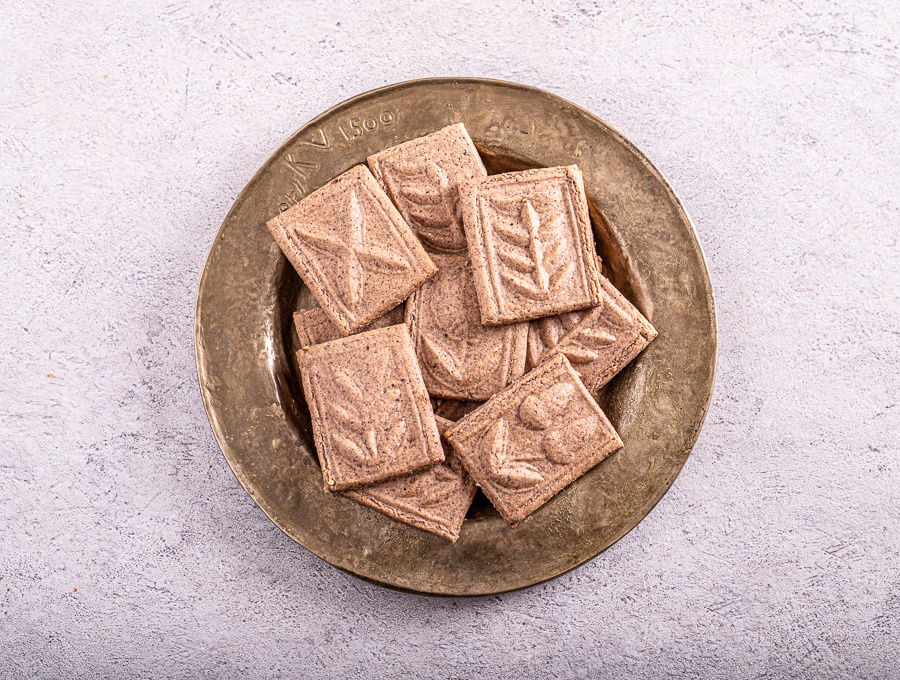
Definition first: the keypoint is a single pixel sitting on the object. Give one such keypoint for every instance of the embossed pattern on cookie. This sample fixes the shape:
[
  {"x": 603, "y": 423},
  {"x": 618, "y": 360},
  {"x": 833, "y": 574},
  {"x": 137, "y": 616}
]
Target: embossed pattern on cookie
[
  {"x": 530, "y": 243},
  {"x": 531, "y": 440},
  {"x": 460, "y": 357},
  {"x": 606, "y": 339},
  {"x": 370, "y": 413},
  {"x": 435, "y": 499},
  {"x": 353, "y": 249},
  {"x": 422, "y": 176},
  {"x": 543, "y": 334},
  {"x": 314, "y": 327}
]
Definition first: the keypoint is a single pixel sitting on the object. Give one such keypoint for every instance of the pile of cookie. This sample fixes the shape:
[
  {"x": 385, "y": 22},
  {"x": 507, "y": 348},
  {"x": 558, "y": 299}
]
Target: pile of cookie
[{"x": 447, "y": 294}]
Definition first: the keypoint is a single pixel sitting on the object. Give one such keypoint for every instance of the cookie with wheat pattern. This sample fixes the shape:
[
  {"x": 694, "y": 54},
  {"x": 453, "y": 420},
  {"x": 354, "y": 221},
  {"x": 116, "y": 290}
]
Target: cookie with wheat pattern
[
  {"x": 422, "y": 177},
  {"x": 543, "y": 334},
  {"x": 435, "y": 499},
  {"x": 606, "y": 338},
  {"x": 353, "y": 249},
  {"x": 528, "y": 442},
  {"x": 530, "y": 243},
  {"x": 371, "y": 417}
]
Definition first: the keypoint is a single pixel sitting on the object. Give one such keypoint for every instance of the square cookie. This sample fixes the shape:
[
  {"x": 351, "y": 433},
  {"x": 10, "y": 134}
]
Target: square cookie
[
  {"x": 435, "y": 499},
  {"x": 543, "y": 334},
  {"x": 461, "y": 358},
  {"x": 422, "y": 176},
  {"x": 606, "y": 339},
  {"x": 532, "y": 439},
  {"x": 370, "y": 413},
  {"x": 531, "y": 244},
  {"x": 313, "y": 325},
  {"x": 353, "y": 249}
]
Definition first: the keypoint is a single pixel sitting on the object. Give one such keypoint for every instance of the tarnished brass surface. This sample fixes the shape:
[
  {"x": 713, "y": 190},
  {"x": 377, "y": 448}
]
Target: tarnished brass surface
[{"x": 252, "y": 392}]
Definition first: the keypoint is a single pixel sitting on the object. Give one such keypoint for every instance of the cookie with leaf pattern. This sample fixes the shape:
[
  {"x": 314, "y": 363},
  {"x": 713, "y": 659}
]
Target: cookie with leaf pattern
[
  {"x": 543, "y": 334},
  {"x": 606, "y": 339},
  {"x": 370, "y": 413},
  {"x": 353, "y": 249},
  {"x": 460, "y": 357},
  {"x": 422, "y": 177},
  {"x": 528, "y": 442},
  {"x": 531, "y": 244},
  {"x": 435, "y": 499}
]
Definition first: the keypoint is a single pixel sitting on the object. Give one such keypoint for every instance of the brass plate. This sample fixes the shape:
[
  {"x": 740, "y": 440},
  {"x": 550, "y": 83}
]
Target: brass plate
[{"x": 250, "y": 385}]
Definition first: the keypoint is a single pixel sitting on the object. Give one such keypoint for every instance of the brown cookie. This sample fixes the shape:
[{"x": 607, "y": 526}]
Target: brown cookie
[
  {"x": 370, "y": 413},
  {"x": 530, "y": 243},
  {"x": 353, "y": 249},
  {"x": 606, "y": 339},
  {"x": 453, "y": 409},
  {"x": 313, "y": 325},
  {"x": 460, "y": 357},
  {"x": 435, "y": 499},
  {"x": 543, "y": 334},
  {"x": 533, "y": 439},
  {"x": 421, "y": 177}
]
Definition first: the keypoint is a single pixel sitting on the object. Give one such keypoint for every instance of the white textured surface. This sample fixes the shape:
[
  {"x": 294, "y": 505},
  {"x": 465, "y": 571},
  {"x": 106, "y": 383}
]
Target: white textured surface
[{"x": 125, "y": 133}]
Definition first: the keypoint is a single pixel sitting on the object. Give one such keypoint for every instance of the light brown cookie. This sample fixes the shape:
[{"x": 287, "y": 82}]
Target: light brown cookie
[
  {"x": 313, "y": 325},
  {"x": 421, "y": 177},
  {"x": 435, "y": 499},
  {"x": 530, "y": 243},
  {"x": 533, "y": 439},
  {"x": 371, "y": 418},
  {"x": 353, "y": 249},
  {"x": 460, "y": 357},
  {"x": 606, "y": 339},
  {"x": 543, "y": 334}
]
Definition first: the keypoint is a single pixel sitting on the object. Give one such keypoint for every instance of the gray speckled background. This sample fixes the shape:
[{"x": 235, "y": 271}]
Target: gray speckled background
[{"x": 125, "y": 134}]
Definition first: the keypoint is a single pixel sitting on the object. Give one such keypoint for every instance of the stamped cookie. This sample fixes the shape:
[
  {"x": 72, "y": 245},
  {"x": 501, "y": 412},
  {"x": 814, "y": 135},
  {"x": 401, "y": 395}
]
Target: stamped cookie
[
  {"x": 543, "y": 334},
  {"x": 435, "y": 499},
  {"x": 531, "y": 244},
  {"x": 370, "y": 413},
  {"x": 422, "y": 175},
  {"x": 313, "y": 325},
  {"x": 460, "y": 357},
  {"x": 606, "y": 339},
  {"x": 532, "y": 439},
  {"x": 353, "y": 249}
]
